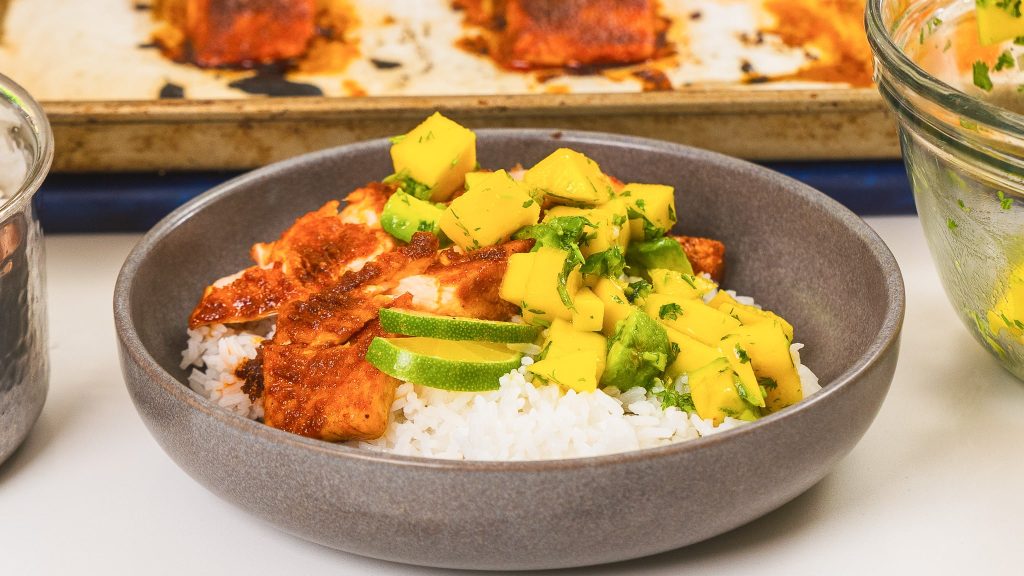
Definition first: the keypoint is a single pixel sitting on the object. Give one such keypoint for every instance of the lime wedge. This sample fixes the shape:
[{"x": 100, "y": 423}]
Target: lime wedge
[
  {"x": 412, "y": 323},
  {"x": 445, "y": 364}
]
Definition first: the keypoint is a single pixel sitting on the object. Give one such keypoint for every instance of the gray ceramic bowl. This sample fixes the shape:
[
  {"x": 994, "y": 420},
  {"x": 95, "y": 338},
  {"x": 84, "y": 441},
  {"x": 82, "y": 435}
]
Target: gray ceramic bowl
[{"x": 791, "y": 247}]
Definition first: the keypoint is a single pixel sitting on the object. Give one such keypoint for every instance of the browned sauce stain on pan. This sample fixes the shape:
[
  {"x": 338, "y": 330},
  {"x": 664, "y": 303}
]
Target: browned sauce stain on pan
[{"x": 834, "y": 29}]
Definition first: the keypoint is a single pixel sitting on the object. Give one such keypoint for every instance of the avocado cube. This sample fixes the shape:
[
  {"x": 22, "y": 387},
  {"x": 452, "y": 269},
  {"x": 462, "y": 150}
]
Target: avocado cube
[
  {"x": 609, "y": 221},
  {"x": 404, "y": 215},
  {"x": 664, "y": 253},
  {"x": 637, "y": 353},
  {"x": 652, "y": 209},
  {"x": 489, "y": 212},
  {"x": 438, "y": 153},
  {"x": 691, "y": 317},
  {"x": 715, "y": 390},
  {"x": 588, "y": 315},
  {"x": 542, "y": 303},
  {"x": 998, "y": 21},
  {"x": 568, "y": 177}
]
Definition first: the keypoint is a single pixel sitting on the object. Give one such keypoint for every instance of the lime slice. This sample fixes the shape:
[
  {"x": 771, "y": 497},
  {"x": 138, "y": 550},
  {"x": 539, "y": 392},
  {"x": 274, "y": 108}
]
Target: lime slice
[
  {"x": 445, "y": 364},
  {"x": 412, "y": 323}
]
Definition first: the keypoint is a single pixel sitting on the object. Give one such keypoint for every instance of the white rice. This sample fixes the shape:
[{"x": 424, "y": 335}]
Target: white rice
[
  {"x": 519, "y": 421},
  {"x": 13, "y": 159}
]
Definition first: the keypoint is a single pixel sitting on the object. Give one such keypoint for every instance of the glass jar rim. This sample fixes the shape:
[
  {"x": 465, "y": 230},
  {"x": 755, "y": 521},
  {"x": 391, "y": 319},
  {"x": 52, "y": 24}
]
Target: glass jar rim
[
  {"x": 894, "y": 60},
  {"x": 12, "y": 94}
]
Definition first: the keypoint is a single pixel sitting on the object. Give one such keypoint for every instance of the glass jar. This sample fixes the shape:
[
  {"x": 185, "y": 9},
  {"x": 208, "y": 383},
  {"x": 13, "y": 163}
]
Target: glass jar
[
  {"x": 24, "y": 365},
  {"x": 963, "y": 146}
]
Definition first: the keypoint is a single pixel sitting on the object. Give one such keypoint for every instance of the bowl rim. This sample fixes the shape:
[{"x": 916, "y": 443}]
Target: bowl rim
[
  {"x": 892, "y": 58},
  {"x": 14, "y": 95},
  {"x": 887, "y": 337}
]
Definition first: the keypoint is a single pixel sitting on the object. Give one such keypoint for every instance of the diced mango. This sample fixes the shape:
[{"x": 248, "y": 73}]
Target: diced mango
[
  {"x": 438, "y": 153},
  {"x": 576, "y": 371},
  {"x": 568, "y": 177},
  {"x": 609, "y": 220},
  {"x": 616, "y": 305},
  {"x": 768, "y": 348},
  {"x": 565, "y": 341},
  {"x": 589, "y": 313},
  {"x": 693, "y": 354},
  {"x": 542, "y": 302},
  {"x": 652, "y": 209},
  {"x": 493, "y": 208},
  {"x": 740, "y": 361},
  {"x": 715, "y": 394},
  {"x": 673, "y": 283},
  {"x": 751, "y": 314},
  {"x": 691, "y": 317},
  {"x": 517, "y": 274},
  {"x": 998, "y": 21}
]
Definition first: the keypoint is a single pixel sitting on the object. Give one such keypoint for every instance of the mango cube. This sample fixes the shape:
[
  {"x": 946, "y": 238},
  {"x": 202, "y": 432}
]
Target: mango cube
[
  {"x": 692, "y": 355},
  {"x": 716, "y": 395},
  {"x": 691, "y": 317},
  {"x": 574, "y": 359},
  {"x": 768, "y": 349},
  {"x": 542, "y": 303},
  {"x": 517, "y": 274},
  {"x": 616, "y": 305},
  {"x": 568, "y": 177},
  {"x": 998, "y": 21},
  {"x": 674, "y": 283},
  {"x": 438, "y": 153},
  {"x": 489, "y": 212},
  {"x": 652, "y": 209},
  {"x": 588, "y": 315}
]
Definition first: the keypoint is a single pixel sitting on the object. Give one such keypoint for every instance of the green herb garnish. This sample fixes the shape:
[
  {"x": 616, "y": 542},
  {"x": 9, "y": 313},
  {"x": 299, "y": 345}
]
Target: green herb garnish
[{"x": 981, "y": 77}]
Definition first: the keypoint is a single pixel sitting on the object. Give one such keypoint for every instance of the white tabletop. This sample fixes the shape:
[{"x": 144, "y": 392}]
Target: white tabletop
[{"x": 936, "y": 486}]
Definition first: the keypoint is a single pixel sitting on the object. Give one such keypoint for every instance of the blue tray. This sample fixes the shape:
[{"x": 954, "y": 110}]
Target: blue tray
[{"x": 134, "y": 202}]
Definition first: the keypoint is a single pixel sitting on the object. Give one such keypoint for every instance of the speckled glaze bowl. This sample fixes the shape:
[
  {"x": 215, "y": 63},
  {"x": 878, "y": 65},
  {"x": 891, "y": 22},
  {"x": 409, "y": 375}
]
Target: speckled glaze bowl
[
  {"x": 789, "y": 246},
  {"x": 24, "y": 364}
]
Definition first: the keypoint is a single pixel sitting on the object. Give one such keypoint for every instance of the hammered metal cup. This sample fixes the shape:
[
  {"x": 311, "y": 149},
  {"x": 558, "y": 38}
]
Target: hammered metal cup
[{"x": 24, "y": 366}]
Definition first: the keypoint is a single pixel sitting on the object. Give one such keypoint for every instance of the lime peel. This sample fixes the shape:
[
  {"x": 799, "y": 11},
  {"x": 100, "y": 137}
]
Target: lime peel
[
  {"x": 413, "y": 323},
  {"x": 445, "y": 364}
]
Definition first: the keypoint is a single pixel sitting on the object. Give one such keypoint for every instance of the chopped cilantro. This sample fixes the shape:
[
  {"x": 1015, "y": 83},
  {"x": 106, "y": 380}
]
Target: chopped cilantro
[
  {"x": 638, "y": 291},
  {"x": 670, "y": 311},
  {"x": 407, "y": 184},
  {"x": 609, "y": 263},
  {"x": 767, "y": 383},
  {"x": 1005, "y": 61},
  {"x": 742, "y": 354},
  {"x": 951, "y": 224},
  {"x": 1005, "y": 202},
  {"x": 670, "y": 398},
  {"x": 397, "y": 139},
  {"x": 981, "y": 77},
  {"x": 528, "y": 203}
]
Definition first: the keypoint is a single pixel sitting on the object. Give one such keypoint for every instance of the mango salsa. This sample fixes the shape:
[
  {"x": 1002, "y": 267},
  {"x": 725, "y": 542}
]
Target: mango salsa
[
  {"x": 718, "y": 393},
  {"x": 616, "y": 305},
  {"x": 673, "y": 283},
  {"x": 568, "y": 177},
  {"x": 768, "y": 348},
  {"x": 493, "y": 208},
  {"x": 438, "y": 153},
  {"x": 588, "y": 314},
  {"x": 998, "y": 21},
  {"x": 693, "y": 354}
]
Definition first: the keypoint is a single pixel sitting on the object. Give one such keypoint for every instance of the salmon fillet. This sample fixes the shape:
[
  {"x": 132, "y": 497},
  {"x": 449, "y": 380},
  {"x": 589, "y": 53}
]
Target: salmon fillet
[
  {"x": 247, "y": 32},
  {"x": 577, "y": 33},
  {"x": 314, "y": 252},
  {"x": 705, "y": 255}
]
